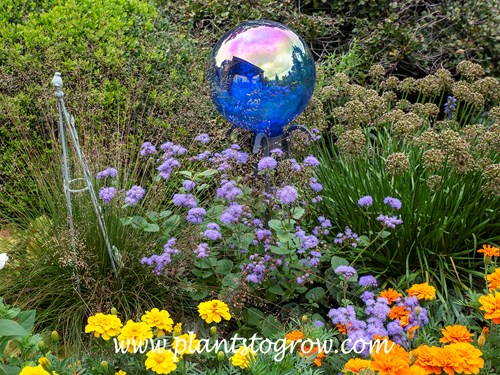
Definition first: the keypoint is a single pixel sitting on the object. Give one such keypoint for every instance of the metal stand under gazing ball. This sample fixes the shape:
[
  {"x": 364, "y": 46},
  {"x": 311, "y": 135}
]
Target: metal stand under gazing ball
[{"x": 69, "y": 121}]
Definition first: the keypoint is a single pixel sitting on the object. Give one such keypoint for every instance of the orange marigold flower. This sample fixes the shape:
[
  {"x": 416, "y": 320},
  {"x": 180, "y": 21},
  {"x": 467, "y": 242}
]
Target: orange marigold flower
[
  {"x": 490, "y": 251},
  {"x": 456, "y": 333},
  {"x": 426, "y": 357},
  {"x": 411, "y": 332},
  {"x": 355, "y": 365},
  {"x": 417, "y": 370},
  {"x": 494, "y": 280},
  {"x": 343, "y": 329},
  {"x": 490, "y": 304},
  {"x": 449, "y": 360},
  {"x": 312, "y": 350},
  {"x": 471, "y": 361},
  {"x": 422, "y": 291},
  {"x": 397, "y": 312},
  {"x": 390, "y": 295},
  {"x": 294, "y": 336},
  {"x": 395, "y": 362}
]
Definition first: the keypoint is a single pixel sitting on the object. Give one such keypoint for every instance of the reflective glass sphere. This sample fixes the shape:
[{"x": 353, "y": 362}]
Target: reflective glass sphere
[{"x": 261, "y": 76}]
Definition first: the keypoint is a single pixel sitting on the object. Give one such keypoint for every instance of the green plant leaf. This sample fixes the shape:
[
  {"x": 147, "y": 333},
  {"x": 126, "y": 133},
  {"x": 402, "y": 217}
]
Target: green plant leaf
[
  {"x": 276, "y": 289},
  {"x": 165, "y": 214},
  {"x": 298, "y": 212},
  {"x": 280, "y": 250},
  {"x": 151, "y": 227},
  {"x": 270, "y": 326},
  {"x": 12, "y": 328},
  {"x": 338, "y": 261},
  {"x": 224, "y": 266},
  {"x": 253, "y": 316},
  {"x": 26, "y": 319},
  {"x": 9, "y": 370},
  {"x": 315, "y": 294}
]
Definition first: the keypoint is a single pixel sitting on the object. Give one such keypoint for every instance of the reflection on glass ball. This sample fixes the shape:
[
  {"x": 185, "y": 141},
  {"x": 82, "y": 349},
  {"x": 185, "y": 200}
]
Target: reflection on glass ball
[{"x": 261, "y": 76}]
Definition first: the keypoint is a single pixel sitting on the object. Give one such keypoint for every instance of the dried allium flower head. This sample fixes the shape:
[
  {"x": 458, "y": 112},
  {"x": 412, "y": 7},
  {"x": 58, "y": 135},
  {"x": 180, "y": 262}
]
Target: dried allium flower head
[
  {"x": 492, "y": 176},
  {"x": 444, "y": 79},
  {"x": 407, "y": 125},
  {"x": 472, "y": 132},
  {"x": 434, "y": 182},
  {"x": 392, "y": 83},
  {"x": 355, "y": 113},
  {"x": 393, "y": 116},
  {"x": 425, "y": 110},
  {"x": 352, "y": 143},
  {"x": 489, "y": 141},
  {"x": 489, "y": 87},
  {"x": 495, "y": 113},
  {"x": 375, "y": 105},
  {"x": 341, "y": 80},
  {"x": 397, "y": 163},
  {"x": 408, "y": 85},
  {"x": 329, "y": 92},
  {"x": 389, "y": 97},
  {"x": 429, "y": 85},
  {"x": 404, "y": 105},
  {"x": 314, "y": 115},
  {"x": 428, "y": 138},
  {"x": 470, "y": 69},
  {"x": 433, "y": 159},
  {"x": 356, "y": 91},
  {"x": 376, "y": 71},
  {"x": 463, "y": 90}
]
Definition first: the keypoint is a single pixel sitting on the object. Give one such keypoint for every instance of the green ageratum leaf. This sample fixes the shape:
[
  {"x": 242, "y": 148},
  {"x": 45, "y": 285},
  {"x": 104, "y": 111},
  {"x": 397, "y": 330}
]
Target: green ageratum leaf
[
  {"x": 276, "y": 289},
  {"x": 224, "y": 266},
  {"x": 275, "y": 224},
  {"x": 270, "y": 326},
  {"x": 151, "y": 228},
  {"x": 253, "y": 316},
  {"x": 315, "y": 294},
  {"x": 11, "y": 328},
  {"x": 280, "y": 250},
  {"x": 298, "y": 212},
  {"x": 338, "y": 261},
  {"x": 231, "y": 280},
  {"x": 198, "y": 295},
  {"x": 165, "y": 214},
  {"x": 153, "y": 216},
  {"x": 206, "y": 173}
]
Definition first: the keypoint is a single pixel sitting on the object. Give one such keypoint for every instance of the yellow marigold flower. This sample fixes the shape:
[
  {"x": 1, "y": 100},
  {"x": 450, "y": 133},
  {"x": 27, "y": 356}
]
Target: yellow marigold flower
[
  {"x": 294, "y": 336},
  {"x": 159, "y": 319},
  {"x": 426, "y": 357},
  {"x": 161, "y": 361},
  {"x": 185, "y": 344},
  {"x": 121, "y": 372},
  {"x": 177, "y": 329},
  {"x": 456, "y": 333},
  {"x": 242, "y": 357},
  {"x": 134, "y": 333},
  {"x": 490, "y": 251},
  {"x": 422, "y": 291},
  {"x": 214, "y": 311},
  {"x": 490, "y": 304},
  {"x": 38, "y": 370},
  {"x": 471, "y": 361},
  {"x": 397, "y": 312},
  {"x": 105, "y": 326},
  {"x": 355, "y": 365},
  {"x": 390, "y": 294},
  {"x": 494, "y": 280},
  {"x": 44, "y": 361},
  {"x": 310, "y": 351}
]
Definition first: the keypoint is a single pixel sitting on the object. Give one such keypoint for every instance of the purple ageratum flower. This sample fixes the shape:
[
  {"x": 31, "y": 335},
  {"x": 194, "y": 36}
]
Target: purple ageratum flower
[
  {"x": 368, "y": 280},
  {"x": 161, "y": 261},
  {"x": 311, "y": 161},
  {"x": 325, "y": 223},
  {"x": 188, "y": 185},
  {"x": 148, "y": 148},
  {"x": 393, "y": 202},
  {"x": 212, "y": 232},
  {"x": 346, "y": 271},
  {"x": 202, "y": 138},
  {"x": 184, "y": 200},
  {"x": 287, "y": 195},
  {"x": 262, "y": 234},
  {"x": 390, "y": 221},
  {"x": 266, "y": 163},
  {"x": 167, "y": 167},
  {"x": 228, "y": 190},
  {"x": 202, "y": 251},
  {"x": 107, "y": 194},
  {"x": 108, "y": 172},
  {"x": 134, "y": 195},
  {"x": 195, "y": 215},
  {"x": 232, "y": 213},
  {"x": 295, "y": 166},
  {"x": 318, "y": 324},
  {"x": 172, "y": 149},
  {"x": 315, "y": 185},
  {"x": 202, "y": 156},
  {"x": 277, "y": 151},
  {"x": 365, "y": 201}
]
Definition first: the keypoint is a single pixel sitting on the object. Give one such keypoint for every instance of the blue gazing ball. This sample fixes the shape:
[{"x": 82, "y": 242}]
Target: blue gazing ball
[{"x": 261, "y": 76}]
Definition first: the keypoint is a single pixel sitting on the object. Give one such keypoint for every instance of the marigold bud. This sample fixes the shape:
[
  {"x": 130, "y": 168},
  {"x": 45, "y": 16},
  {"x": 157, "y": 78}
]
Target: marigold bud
[
  {"x": 54, "y": 336},
  {"x": 113, "y": 311},
  {"x": 44, "y": 362},
  {"x": 481, "y": 341},
  {"x": 42, "y": 347},
  {"x": 104, "y": 366},
  {"x": 213, "y": 331},
  {"x": 220, "y": 356},
  {"x": 304, "y": 318}
]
